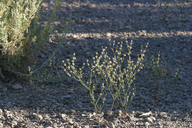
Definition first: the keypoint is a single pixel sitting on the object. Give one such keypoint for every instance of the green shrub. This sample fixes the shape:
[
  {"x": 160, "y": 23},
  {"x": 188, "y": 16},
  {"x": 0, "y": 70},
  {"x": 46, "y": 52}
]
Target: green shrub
[
  {"x": 21, "y": 38},
  {"x": 49, "y": 71}
]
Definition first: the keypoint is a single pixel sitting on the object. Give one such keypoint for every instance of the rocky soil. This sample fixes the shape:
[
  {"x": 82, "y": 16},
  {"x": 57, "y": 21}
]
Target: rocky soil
[{"x": 66, "y": 104}]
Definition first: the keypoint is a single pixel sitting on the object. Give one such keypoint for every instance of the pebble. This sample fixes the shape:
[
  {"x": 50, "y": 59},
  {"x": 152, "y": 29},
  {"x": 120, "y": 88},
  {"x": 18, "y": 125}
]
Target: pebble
[
  {"x": 151, "y": 119},
  {"x": 17, "y": 87},
  {"x": 146, "y": 114}
]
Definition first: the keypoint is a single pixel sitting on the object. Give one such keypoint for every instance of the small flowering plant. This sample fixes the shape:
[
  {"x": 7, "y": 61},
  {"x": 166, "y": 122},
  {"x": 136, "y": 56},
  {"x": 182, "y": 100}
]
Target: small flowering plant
[
  {"x": 159, "y": 72},
  {"x": 90, "y": 84},
  {"x": 108, "y": 71}
]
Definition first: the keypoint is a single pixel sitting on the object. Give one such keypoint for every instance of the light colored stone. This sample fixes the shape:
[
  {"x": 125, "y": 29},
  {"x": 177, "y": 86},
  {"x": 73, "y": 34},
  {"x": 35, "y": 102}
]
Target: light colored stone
[
  {"x": 1, "y": 112},
  {"x": 111, "y": 125},
  {"x": 163, "y": 114},
  {"x": 13, "y": 123},
  {"x": 151, "y": 119},
  {"x": 108, "y": 34},
  {"x": 1, "y": 125},
  {"x": 37, "y": 116},
  {"x": 69, "y": 126},
  {"x": 118, "y": 112},
  {"x": 17, "y": 86},
  {"x": 132, "y": 118},
  {"x": 146, "y": 124},
  {"x": 86, "y": 126},
  {"x": 146, "y": 114}
]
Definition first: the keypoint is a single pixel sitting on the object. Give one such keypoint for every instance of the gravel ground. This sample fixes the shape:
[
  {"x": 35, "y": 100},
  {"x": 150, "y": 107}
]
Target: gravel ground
[{"x": 67, "y": 103}]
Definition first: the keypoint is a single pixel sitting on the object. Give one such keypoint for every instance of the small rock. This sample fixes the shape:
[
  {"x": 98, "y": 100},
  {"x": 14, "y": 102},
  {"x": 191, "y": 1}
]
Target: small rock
[
  {"x": 2, "y": 118},
  {"x": 173, "y": 118},
  {"x": 118, "y": 112},
  {"x": 1, "y": 125},
  {"x": 111, "y": 125},
  {"x": 38, "y": 117},
  {"x": 37, "y": 110},
  {"x": 163, "y": 114},
  {"x": 146, "y": 114},
  {"x": 17, "y": 86},
  {"x": 177, "y": 61},
  {"x": 146, "y": 124},
  {"x": 132, "y": 118},
  {"x": 116, "y": 120},
  {"x": 63, "y": 116},
  {"x": 14, "y": 123},
  {"x": 70, "y": 121},
  {"x": 86, "y": 126},
  {"x": 7, "y": 125},
  {"x": 69, "y": 126},
  {"x": 147, "y": 109},
  {"x": 173, "y": 50},
  {"x": 4, "y": 90},
  {"x": 151, "y": 119},
  {"x": 76, "y": 125},
  {"x": 110, "y": 113},
  {"x": 54, "y": 115},
  {"x": 1, "y": 112},
  {"x": 55, "y": 125},
  {"x": 108, "y": 34},
  {"x": 73, "y": 111},
  {"x": 89, "y": 115},
  {"x": 66, "y": 97},
  {"x": 62, "y": 84},
  {"x": 46, "y": 116},
  {"x": 74, "y": 36}
]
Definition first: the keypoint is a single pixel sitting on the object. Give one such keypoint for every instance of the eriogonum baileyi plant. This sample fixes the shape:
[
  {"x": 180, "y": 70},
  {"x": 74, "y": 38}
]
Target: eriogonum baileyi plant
[
  {"x": 110, "y": 73},
  {"x": 160, "y": 74}
]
